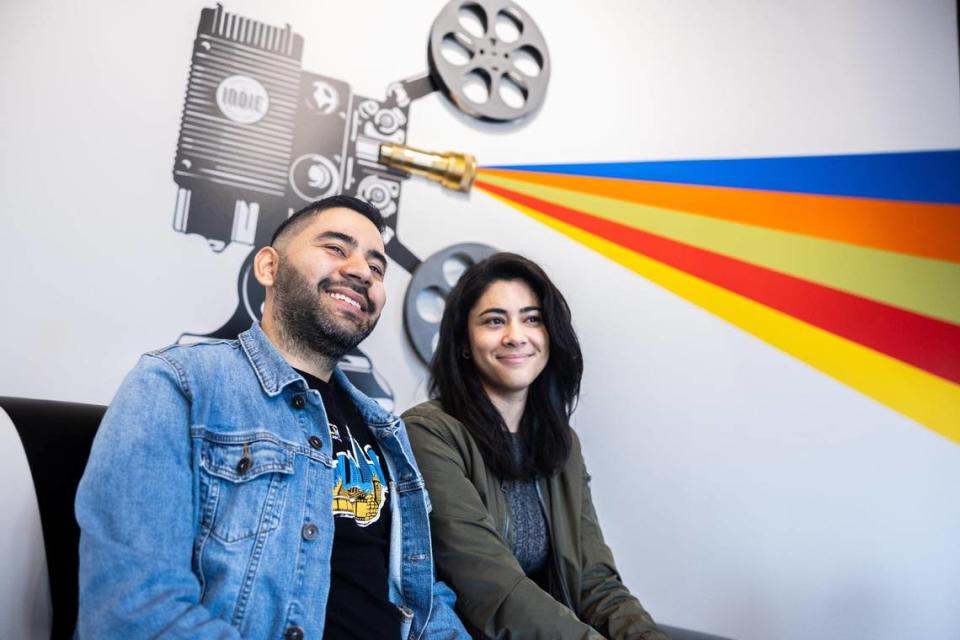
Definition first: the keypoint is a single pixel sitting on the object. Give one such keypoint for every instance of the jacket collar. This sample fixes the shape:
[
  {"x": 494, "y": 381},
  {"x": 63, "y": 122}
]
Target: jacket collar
[{"x": 275, "y": 373}]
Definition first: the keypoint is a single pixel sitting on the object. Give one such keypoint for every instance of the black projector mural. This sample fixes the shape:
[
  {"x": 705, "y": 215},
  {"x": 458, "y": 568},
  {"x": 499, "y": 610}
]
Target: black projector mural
[{"x": 261, "y": 137}]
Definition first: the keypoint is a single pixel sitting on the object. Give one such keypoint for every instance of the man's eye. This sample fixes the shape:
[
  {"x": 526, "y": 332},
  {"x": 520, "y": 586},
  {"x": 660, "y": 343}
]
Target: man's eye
[
  {"x": 337, "y": 249},
  {"x": 377, "y": 269}
]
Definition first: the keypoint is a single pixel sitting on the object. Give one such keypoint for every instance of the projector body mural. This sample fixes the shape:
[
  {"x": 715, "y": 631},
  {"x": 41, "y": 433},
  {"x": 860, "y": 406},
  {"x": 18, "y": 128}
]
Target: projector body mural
[{"x": 261, "y": 137}]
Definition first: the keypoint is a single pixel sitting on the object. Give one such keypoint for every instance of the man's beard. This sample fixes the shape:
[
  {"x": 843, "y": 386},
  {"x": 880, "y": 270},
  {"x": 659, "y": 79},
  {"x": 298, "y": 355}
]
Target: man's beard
[{"x": 305, "y": 323}]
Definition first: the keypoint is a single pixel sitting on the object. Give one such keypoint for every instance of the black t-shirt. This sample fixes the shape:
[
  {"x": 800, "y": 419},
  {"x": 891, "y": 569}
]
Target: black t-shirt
[{"x": 358, "y": 606}]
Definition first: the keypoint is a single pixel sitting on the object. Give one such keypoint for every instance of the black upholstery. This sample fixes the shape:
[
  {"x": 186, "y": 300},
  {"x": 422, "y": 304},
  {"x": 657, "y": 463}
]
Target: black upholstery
[{"x": 56, "y": 437}]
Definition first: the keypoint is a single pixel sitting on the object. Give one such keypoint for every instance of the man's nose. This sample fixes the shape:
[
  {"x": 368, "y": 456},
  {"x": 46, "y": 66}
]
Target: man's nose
[{"x": 355, "y": 268}]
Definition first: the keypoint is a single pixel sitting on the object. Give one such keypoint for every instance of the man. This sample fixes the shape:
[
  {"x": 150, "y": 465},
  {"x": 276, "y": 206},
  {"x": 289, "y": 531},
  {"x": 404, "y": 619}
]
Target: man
[{"x": 245, "y": 489}]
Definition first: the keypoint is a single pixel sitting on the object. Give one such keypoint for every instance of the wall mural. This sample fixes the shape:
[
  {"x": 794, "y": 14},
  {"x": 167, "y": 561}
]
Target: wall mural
[
  {"x": 261, "y": 137},
  {"x": 849, "y": 263}
]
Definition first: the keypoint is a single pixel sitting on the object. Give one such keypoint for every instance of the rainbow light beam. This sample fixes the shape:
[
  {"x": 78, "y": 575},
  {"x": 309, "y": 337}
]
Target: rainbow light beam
[{"x": 849, "y": 263}]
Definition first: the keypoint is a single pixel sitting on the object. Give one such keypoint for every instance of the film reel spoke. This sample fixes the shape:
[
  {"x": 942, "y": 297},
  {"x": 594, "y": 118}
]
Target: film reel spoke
[
  {"x": 497, "y": 89},
  {"x": 458, "y": 48},
  {"x": 466, "y": 41},
  {"x": 527, "y": 40},
  {"x": 518, "y": 79},
  {"x": 527, "y": 59}
]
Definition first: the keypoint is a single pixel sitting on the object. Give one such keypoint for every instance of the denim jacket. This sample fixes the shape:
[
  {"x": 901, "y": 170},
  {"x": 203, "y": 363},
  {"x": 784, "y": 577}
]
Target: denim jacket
[{"x": 180, "y": 539}]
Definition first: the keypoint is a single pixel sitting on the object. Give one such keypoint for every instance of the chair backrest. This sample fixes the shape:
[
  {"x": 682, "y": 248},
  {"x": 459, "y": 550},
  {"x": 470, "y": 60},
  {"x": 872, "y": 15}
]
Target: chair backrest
[{"x": 56, "y": 439}]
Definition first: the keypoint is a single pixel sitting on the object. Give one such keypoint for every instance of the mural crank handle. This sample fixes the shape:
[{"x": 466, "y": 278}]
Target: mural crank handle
[{"x": 406, "y": 91}]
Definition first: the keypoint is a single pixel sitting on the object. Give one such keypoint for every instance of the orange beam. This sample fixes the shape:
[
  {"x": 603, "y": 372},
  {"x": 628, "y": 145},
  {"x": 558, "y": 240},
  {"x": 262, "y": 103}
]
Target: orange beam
[{"x": 914, "y": 228}]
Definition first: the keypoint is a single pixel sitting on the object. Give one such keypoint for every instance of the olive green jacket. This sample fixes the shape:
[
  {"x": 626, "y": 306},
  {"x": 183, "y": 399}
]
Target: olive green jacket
[{"x": 585, "y": 598}]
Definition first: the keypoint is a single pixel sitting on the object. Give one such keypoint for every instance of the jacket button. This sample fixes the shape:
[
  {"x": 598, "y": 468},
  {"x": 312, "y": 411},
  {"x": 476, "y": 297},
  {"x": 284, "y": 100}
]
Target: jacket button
[
  {"x": 293, "y": 633},
  {"x": 298, "y": 402},
  {"x": 310, "y": 531},
  {"x": 316, "y": 442},
  {"x": 244, "y": 465}
]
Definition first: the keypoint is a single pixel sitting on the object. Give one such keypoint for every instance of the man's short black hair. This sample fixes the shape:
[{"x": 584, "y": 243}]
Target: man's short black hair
[{"x": 362, "y": 207}]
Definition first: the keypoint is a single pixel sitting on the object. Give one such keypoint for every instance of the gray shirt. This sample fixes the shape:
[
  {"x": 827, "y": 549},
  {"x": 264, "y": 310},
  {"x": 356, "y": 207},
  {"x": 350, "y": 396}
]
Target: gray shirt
[{"x": 530, "y": 540}]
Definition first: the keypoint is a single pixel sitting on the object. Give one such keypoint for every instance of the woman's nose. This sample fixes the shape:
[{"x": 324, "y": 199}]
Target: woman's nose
[{"x": 514, "y": 335}]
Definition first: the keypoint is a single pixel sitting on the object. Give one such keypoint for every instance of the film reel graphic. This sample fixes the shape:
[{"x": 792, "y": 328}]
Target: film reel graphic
[
  {"x": 261, "y": 137},
  {"x": 490, "y": 59},
  {"x": 428, "y": 290}
]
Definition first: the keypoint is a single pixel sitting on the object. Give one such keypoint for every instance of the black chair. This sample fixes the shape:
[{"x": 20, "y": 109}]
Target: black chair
[{"x": 56, "y": 438}]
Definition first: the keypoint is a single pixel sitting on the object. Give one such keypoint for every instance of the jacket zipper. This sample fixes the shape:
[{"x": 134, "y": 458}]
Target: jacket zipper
[
  {"x": 506, "y": 512},
  {"x": 568, "y": 601}
]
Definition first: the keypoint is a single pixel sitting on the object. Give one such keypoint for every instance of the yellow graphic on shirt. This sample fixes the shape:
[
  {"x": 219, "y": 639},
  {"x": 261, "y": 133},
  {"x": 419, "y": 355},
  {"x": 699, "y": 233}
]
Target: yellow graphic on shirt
[{"x": 358, "y": 490}]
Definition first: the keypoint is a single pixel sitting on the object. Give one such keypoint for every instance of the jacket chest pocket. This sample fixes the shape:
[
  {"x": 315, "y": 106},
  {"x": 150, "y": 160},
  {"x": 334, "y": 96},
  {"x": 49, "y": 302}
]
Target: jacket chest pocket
[{"x": 242, "y": 486}]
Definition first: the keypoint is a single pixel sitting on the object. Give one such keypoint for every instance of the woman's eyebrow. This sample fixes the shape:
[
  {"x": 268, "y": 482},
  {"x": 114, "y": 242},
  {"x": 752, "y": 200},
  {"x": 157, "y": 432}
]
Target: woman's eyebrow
[
  {"x": 492, "y": 310},
  {"x": 504, "y": 311}
]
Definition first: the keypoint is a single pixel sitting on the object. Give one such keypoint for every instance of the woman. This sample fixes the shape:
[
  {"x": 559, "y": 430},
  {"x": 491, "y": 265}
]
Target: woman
[{"x": 514, "y": 528}]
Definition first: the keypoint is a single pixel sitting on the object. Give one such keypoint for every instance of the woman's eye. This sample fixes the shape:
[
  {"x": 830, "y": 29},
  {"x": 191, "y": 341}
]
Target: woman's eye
[
  {"x": 494, "y": 321},
  {"x": 534, "y": 320}
]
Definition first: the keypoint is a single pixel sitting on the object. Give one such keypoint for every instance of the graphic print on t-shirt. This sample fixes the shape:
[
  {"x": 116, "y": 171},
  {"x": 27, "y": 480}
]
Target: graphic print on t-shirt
[{"x": 358, "y": 491}]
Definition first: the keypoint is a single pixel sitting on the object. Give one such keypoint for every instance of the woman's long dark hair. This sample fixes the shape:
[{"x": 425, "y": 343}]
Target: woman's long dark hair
[{"x": 454, "y": 381}]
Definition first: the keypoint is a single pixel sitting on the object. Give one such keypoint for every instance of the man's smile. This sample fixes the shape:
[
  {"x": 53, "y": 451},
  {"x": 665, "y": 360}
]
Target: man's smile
[
  {"x": 343, "y": 297},
  {"x": 347, "y": 295}
]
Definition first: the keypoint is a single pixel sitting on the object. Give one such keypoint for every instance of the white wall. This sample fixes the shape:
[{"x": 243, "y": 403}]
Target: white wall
[{"x": 743, "y": 492}]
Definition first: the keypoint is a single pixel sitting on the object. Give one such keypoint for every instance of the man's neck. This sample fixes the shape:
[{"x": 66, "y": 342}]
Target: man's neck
[{"x": 296, "y": 355}]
